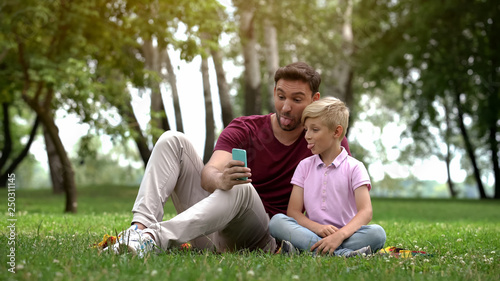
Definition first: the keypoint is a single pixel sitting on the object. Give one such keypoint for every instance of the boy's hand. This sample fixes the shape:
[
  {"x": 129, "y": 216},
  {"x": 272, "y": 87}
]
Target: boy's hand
[
  {"x": 327, "y": 245},
  {"x": 325, "y": 230}
]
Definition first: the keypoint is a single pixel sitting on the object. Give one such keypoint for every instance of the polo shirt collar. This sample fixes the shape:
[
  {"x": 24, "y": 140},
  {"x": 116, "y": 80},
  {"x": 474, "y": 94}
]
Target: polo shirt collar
[{"x": 336, "y": 163}]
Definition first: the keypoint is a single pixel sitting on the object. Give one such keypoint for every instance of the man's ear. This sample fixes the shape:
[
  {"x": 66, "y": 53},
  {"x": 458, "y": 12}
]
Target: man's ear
[{"x": 316, "y": 96}]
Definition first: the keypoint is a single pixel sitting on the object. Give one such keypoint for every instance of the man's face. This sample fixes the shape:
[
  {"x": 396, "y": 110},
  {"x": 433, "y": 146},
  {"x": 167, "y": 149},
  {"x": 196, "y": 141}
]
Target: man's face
[{"x": 290, "y": 99}]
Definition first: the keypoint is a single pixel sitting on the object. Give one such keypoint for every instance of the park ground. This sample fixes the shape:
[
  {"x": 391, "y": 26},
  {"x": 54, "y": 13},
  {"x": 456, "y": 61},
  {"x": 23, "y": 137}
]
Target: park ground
[{"x": 461, "y": 238}]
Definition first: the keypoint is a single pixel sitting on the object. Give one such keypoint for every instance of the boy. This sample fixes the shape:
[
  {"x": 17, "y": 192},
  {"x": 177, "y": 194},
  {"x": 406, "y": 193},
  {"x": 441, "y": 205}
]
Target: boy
[{"x": 333, "y": 187}]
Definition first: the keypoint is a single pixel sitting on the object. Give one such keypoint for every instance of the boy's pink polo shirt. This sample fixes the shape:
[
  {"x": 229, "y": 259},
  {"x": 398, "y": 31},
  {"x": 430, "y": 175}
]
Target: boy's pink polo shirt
[{"x": 329, "y": 190}]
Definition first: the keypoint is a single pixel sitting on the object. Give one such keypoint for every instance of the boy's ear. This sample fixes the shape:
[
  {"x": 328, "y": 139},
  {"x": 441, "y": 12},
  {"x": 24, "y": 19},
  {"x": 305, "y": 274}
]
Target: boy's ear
[{"x": 338, "y": 131}]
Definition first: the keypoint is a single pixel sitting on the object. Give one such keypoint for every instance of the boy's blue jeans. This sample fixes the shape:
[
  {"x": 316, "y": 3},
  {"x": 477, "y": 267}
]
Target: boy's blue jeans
[{"x": 283, "y": 227}]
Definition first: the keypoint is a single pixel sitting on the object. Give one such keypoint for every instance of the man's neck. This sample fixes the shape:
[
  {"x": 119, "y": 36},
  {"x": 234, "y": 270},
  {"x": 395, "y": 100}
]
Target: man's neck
[{"x": 285, "y": 137}]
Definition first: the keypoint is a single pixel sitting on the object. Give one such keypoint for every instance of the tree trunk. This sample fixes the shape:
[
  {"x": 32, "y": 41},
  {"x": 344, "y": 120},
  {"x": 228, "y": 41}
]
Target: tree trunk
[
  {"x": 225, "y": 98},
  {"x": 67, "y": 168},
  {"x": 7, "y": 148},
  {"x": 159, "y": 118},
  {"x": 43, "y": 111},
  {"x": 493, "y": 101},
  {"x": 55, "y": 164},
  {"x": 209, "y": 113},
  {"x": 175, "y": 94},
  {"x": 272, "y": 59},
  {"x": 127, "y": 112},
  {"x": 468, "y": 147},
  {"x": 494, "y": 159},
  {"x": 158, "y": 115},
  {"x": 448, "y": 155},
  {"x": 451, "y": 185},
  {"x": 12, "y": 167},
  {"x": 252, "y": 72},
  {"x": 493, "y": 90},
  {"x": 343, "y": 72}
]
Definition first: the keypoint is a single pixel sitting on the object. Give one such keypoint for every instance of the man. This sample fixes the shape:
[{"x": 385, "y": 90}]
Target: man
[{"x": 216, "y": 210}]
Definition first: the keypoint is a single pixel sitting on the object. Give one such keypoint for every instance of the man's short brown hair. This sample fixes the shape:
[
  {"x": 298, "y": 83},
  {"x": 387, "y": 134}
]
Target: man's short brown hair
[{"x": 299, "y": 71}]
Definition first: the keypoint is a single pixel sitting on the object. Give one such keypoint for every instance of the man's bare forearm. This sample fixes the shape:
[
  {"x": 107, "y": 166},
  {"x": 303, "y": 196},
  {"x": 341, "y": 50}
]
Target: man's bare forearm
[{"x": 210, "y": 178}]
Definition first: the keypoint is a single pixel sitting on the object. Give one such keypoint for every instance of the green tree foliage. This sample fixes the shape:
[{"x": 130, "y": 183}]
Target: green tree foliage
[
  {"x": 81, "y": 57},
  {"x": 52, "y": 64},
  {"x": 443, "y": 54},
  {"x": 43, "y": 66},
  {"x": 310, "y": 31}
]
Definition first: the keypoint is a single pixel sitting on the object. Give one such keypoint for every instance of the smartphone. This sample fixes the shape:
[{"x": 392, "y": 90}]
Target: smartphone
[{"x": 240, "y": 155}]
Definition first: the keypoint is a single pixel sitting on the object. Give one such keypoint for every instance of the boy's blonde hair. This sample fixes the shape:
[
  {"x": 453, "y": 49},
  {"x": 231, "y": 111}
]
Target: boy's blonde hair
[{"x": 331, "y": 111}]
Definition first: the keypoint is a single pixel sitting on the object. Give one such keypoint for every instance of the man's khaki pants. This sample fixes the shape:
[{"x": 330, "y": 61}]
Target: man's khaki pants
[{"x": 222, "y": 221}]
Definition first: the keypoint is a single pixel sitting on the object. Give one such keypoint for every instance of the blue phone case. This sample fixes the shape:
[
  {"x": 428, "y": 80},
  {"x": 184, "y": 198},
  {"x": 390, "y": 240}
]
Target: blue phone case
[{"x": 240, "y": 155}]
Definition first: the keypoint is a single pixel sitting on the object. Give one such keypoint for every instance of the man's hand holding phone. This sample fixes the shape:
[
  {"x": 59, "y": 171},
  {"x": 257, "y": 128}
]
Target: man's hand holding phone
[{"x": 240, "y": 162}]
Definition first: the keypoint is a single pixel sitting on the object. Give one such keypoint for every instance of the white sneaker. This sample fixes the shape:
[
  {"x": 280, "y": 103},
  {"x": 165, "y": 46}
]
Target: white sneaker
[{"x": 135, "y": 241}]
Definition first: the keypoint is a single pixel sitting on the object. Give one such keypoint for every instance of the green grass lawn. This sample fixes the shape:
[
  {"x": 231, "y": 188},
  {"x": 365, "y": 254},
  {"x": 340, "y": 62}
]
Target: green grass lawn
[{"x": 463, "y": 237}]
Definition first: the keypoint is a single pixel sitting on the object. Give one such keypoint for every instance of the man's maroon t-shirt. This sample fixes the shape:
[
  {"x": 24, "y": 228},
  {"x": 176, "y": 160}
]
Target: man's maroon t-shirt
[{"x": 272, "y": 163}]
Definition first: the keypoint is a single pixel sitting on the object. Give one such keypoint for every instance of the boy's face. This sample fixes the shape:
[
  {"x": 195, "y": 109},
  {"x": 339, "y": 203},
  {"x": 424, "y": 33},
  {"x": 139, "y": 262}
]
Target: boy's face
[
  {"x": 319, "y": 137},
  {"x": 290, "y": 99}
]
